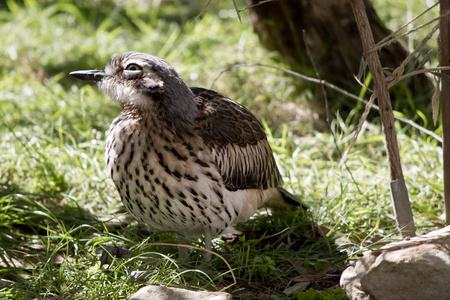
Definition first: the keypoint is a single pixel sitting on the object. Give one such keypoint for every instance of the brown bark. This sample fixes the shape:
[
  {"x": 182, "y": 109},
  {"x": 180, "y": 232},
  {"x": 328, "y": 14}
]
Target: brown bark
[
  {"x": 399, "y": 192},
  {"x": 445, "y": 101}
]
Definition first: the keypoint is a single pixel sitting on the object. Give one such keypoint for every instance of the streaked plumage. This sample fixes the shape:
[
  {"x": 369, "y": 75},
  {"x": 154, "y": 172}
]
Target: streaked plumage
[{"x": 187, "y": 160}]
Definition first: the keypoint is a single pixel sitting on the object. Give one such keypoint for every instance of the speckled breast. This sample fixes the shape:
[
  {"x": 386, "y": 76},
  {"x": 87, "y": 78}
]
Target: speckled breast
[{"x": 166, "y": 181}]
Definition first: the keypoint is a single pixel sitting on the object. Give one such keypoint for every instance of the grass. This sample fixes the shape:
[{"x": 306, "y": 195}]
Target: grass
[{"x": 58, "y": 207}]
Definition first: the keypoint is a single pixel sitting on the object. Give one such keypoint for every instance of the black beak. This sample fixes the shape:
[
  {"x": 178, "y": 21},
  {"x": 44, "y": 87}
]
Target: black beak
[{"x": 94, "y": 75}]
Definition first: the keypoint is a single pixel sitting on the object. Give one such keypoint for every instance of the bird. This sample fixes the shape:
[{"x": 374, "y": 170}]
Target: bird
[{"x": 186, "y": 160}]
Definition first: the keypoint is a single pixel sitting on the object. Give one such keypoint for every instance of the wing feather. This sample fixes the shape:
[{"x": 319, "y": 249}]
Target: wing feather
[{"x": 237, "y": 139}]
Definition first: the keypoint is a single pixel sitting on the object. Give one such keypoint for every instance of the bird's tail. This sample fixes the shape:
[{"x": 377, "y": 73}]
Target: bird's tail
[{"x": 280, "y": 198}]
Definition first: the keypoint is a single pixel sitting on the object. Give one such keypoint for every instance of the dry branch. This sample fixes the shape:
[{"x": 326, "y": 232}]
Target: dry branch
[
  {"x": 340, "y": 90},
  {"x": 400, "y": 198}
]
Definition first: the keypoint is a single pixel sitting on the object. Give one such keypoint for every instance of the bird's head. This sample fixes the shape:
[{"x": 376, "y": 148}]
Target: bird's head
[{"x": 146, "y": 85}]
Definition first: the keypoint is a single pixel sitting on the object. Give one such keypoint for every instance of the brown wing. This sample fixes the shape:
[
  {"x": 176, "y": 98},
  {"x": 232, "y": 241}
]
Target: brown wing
[{"x": 242, "y": 153}]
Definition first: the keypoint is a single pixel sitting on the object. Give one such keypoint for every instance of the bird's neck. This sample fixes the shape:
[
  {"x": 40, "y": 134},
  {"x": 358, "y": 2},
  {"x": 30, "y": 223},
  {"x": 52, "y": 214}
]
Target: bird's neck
[
  {"x": 178, "y": 108},
  {"x": 174, "y": 118}
]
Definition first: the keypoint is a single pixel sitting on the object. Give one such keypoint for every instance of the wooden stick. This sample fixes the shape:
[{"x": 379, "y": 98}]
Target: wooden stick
[
  {"x": 444, "y": 46},
  {"x": 399, "y": 192}
]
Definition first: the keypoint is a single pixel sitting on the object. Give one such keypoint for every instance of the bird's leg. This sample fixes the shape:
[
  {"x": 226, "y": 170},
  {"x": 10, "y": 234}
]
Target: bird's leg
[
  {"x": 183, "y": 251},
  {"x": 208, "y": 245}
]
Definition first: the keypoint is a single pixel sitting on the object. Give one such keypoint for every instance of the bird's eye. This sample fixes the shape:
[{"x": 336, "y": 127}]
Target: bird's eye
[{"x": 133, "y": 67}]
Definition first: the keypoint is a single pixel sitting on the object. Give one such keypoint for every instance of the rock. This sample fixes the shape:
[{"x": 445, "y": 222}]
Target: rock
[
  {"x": 153, "y": 292},
  {"x": 417, "y": 268}
]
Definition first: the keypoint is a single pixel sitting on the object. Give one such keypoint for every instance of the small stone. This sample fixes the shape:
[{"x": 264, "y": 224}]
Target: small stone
[
  {"x": 153, "y": 292},
  {"x": 418, "y": 268}
]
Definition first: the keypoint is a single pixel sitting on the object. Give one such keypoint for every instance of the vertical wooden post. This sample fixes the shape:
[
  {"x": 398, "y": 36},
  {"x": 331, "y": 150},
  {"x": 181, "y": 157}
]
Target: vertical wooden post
[
  {"x": 399, "y": 192},
  {"x": 444, "y": 46}
]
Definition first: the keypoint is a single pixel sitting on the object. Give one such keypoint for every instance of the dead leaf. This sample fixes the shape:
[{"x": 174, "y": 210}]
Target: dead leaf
[
  {"x": 435, "y": 102},
  {"x": 295, "y": 287},
  {"x": 441, "y": 75},
  {"x": 425, "y": 59}
]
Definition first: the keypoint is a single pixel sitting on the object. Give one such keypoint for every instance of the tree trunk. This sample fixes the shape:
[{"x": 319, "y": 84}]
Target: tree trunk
[{"x": 444, "y": 45}]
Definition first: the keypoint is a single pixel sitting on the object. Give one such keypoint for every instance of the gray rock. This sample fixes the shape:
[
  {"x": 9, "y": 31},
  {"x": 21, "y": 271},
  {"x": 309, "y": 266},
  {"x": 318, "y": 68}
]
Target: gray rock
[
  {"x": 417, "y": 268},
  {"x": 153, "y": 292}
]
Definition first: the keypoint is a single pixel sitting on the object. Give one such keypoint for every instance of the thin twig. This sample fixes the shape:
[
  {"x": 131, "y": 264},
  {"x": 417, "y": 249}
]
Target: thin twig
[
  {"x": 416, "y": 72},
  {"x": 322, "y": 87},
  {"x": 257, "y": 4},
  {"x": 202, "y": 11},
  {"x": 362, "y": 84},
  {"x": 337, "y": 89},
  {"x": 327, "y": 110},
  {"x": 363, "y": 118},
  {"x": 405, "y": 25},
  {"x": 391, "y": 39},
  {"x": 400, "y": 69},
  {"x": 395, "y": 80},
  {"x": 395, "y": 39}
]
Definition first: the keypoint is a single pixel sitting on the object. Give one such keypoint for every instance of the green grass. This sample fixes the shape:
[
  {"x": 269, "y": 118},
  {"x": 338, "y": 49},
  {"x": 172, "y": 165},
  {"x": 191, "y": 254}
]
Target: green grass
[{"x": 58, "y": 207}]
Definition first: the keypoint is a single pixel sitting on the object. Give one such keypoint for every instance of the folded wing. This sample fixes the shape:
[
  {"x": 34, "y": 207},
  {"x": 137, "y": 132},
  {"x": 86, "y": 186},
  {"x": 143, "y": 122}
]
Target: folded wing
[{"x": 241, "y": 150}]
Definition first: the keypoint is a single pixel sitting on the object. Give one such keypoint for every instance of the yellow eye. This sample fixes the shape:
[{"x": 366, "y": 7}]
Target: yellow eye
[{"x": 133, "y": 67}]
